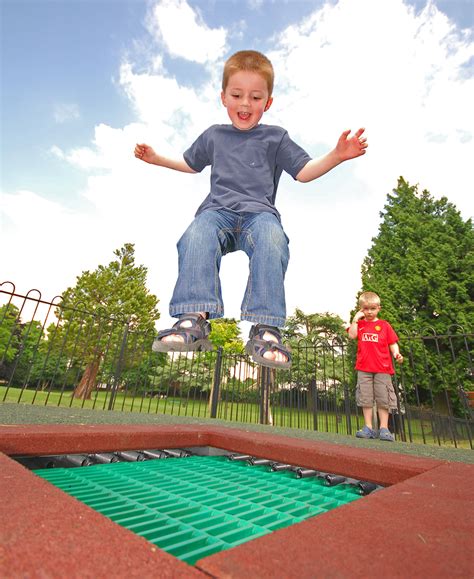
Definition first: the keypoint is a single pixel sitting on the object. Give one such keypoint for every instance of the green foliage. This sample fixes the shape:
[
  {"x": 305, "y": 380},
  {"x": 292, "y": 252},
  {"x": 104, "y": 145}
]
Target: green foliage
[
  {"x": 30, "y": 338},
  {"x": 226, "y": 334},
  {"x": 314, "y": 327},
  {"x": 22, "y": 348},
  {"x": 421, "y": 263},
  {"x": 9, "y": 335},
  {"x": 117, "y": 291}
]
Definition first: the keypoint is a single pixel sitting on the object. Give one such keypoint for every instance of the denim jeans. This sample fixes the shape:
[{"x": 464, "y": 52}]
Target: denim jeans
[{"x": 211, "y": 235}]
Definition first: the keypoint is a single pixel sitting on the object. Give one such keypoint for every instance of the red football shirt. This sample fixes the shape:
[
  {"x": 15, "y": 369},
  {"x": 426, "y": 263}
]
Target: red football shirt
[{"x": 373, "y": 340}]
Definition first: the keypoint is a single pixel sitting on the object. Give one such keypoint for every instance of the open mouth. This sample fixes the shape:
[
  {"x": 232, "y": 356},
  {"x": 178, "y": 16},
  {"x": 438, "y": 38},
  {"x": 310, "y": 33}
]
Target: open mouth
[{"x": 243, "y": 116}]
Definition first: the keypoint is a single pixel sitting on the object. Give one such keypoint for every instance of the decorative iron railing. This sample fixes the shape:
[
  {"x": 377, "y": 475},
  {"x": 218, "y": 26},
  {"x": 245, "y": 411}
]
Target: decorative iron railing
[{"x": 53, "y": 353}]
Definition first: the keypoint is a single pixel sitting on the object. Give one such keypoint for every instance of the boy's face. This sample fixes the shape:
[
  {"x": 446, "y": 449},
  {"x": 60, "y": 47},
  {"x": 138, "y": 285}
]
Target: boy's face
[
  {"x": 370, "y": 311},
  {"x": 246, "y": 99}
]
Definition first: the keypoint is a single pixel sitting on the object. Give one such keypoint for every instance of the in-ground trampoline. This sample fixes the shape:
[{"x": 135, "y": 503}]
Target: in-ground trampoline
[
  {"x": 191, "y": 505},
  {"x": 421, "y": 522}
]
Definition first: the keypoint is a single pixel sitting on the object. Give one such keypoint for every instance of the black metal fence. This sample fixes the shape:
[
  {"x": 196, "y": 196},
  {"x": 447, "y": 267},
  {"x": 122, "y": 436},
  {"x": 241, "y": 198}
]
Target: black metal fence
[{"x": 52, "y": 353}]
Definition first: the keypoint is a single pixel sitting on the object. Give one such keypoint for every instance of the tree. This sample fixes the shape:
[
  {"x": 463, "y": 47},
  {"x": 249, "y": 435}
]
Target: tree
[
  {"x": 314, "y": 327},
  {"x": 9, "y": 339},
  {"x": 19, "y": 347},
  {"x": 421, "y": 262},
  {"x": 318, "y": 342},
  {"x": 31, "y": 337},
  {"x": 97, "y": 311},
  {"x": 225, "y": 333},
  {"x": 421, "y": 265}
]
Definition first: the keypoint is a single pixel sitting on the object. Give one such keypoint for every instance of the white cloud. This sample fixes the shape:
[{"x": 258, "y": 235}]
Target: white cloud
[
  {"x": 110, "y": 151},
  {"x": 357, "y": 62},
  {"x": 171, "y": 111},
  {"x": 48, "y": 244},
  {"x": 184, "y": 33},
  {"x": 378, "y": 65}
]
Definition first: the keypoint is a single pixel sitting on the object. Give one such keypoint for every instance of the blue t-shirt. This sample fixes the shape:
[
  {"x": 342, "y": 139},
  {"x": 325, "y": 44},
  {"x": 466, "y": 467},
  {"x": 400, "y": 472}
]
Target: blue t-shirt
[{"x": 246, "y": 166}]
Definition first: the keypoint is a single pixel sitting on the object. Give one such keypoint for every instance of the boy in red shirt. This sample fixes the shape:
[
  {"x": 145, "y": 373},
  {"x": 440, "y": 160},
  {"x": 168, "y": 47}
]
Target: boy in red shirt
[{"x": 376, "y": 343}]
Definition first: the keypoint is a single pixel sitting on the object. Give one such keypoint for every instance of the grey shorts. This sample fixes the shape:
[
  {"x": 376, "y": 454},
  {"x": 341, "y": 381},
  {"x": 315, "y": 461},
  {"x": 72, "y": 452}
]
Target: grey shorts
[{"x": 376, "y": 387}]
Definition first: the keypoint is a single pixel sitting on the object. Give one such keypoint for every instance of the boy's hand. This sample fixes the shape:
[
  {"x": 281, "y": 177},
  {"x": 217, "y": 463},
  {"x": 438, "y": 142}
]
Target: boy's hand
[
  {"x": 144, "y": 153},
  {"x": 349, "y": 148},
  {"x": 358, "y": 316},
  {"x": 398, "y": 357}
]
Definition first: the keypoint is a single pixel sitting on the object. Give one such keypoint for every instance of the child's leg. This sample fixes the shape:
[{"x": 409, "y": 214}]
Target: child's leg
[
  {"x": 367, "y": 412},
  {"x": 197, "y": 291},
  {"x": 365, "y": 395},
  {"x": 386, "y": 401},
  {"x": 385, "y": 397},
  {"x": 200, "y": 249},
  {"x": 365, "y": 400},
  {"x": 264, "y": 241},
  {"x": 383, "y": 417},
  {"x": 266, "y": 245}
]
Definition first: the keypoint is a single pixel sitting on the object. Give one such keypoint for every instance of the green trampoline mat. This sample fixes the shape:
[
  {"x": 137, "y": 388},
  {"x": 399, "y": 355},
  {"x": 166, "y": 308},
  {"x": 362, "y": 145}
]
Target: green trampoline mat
[{"x": 196, "y": 506}]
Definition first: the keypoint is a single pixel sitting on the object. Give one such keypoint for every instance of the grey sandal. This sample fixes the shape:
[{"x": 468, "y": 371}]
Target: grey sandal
[
  {"x": 195, "y": 337},
  {"x": 256, "y": 346}
]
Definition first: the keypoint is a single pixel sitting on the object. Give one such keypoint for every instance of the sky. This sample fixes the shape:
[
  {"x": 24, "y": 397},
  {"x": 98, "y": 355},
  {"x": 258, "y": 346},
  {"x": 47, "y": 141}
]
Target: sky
[{"x": 82, "y": 81}]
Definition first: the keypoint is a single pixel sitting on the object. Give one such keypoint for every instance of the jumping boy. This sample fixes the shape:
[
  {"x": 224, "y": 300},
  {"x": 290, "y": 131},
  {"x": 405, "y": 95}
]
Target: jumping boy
[
  {"x": 247, "y": 160},
  {"x": 376, "y": 343}
]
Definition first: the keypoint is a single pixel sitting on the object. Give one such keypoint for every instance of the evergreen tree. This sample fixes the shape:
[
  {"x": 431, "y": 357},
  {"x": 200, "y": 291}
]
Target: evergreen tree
[
  {"x": 421, "y": 263},
  {"x": 97, "y": 309}
]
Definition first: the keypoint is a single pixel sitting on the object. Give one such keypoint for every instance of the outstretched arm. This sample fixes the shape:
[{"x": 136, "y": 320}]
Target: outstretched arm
[
  {"x": 146, "y": 153},
  {"x": 346, "y": 148}
]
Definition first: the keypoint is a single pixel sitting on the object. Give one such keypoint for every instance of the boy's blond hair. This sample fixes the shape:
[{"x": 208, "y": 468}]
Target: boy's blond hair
[
  {"x": 252, "y": 61},
  {"x": 369, "y": 298}
]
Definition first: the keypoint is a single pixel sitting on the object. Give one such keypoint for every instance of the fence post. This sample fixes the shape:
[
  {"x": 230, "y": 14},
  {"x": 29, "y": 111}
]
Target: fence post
[
  {"x": 397, "y": 417},
  {"x": 265, "y": 383},
  {"x": 314, "y": 402},
  {"x": 216, "y": 383},
  {"x": 118, "y": 369},
  {"x": 347, "y": 408}
]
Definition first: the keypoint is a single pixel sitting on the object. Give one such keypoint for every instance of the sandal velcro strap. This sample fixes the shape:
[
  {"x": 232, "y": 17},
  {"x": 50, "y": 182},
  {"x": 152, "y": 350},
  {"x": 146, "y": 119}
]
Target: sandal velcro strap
[
  {"x": 256, "y": 346},
  {"x": 258, "y": 330},
  {"x": 195, "y": 337}
]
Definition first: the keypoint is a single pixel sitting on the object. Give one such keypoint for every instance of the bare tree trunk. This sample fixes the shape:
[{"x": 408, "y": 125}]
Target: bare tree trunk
[{"x": 86, "y": 385}]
